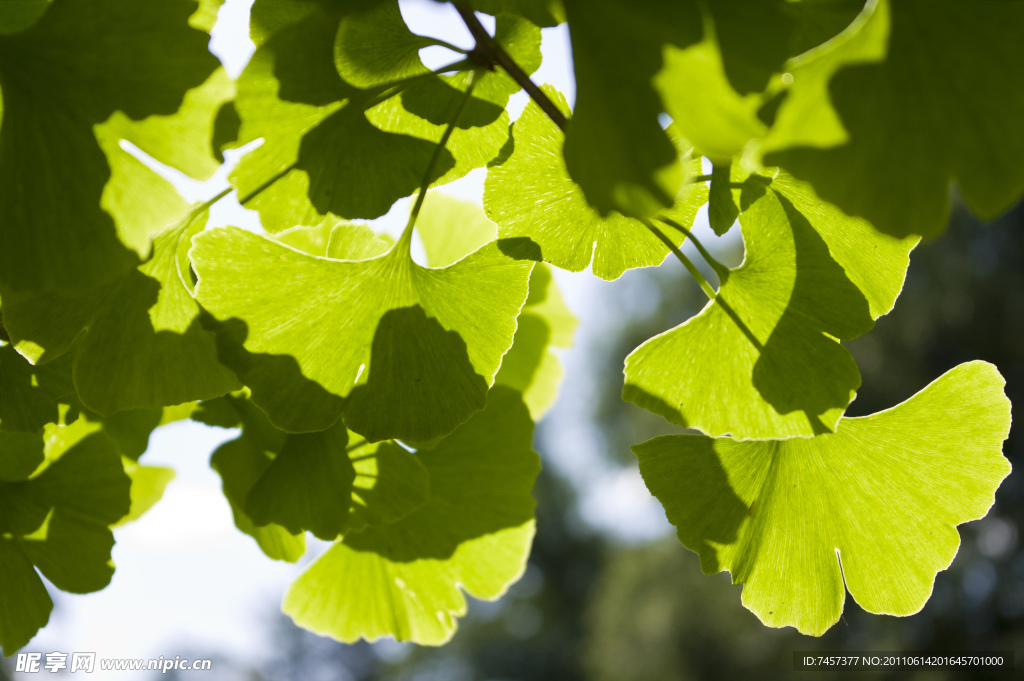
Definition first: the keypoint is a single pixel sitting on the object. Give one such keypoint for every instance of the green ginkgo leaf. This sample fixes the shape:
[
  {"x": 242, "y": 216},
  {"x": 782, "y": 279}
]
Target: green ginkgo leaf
[
  {"x": 24, "y": 604},
  {"x": 30, "y": 396},
  {"x": 762, "y": 360},
  {"x": 61, "y": 77},
  {"x": 614, "y": 146},
  {"x": 241, "y": 462},
  {"x": 108, "y": 203},
  {"x": 146, "y": 347},
  {"x": 404, "y": 351},
  {"x": 451, "y": 229},
  {"x": 874, "y": 505},
  {"x": 542, "y": 213},
  {"x": 403, "y": 579},
  {"x": 704, "y": 63},
  {"x": 890, "y": 90},
  {"x": 268, "y": 477},
  {"x": 59, "y": 522},
  {"x": 349, "y": 128},
  {"x": 307, "y": 486},
  {"x": 148, "y": 485}
]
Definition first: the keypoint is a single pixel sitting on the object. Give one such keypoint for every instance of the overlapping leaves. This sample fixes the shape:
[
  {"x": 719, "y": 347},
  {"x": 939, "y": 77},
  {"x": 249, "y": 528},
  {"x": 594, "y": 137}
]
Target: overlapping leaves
[
  {"x": 350, "y": 117},
  {"x": 403, "y": 579},
  {"x": 58, "y": 522},
  {"x": 894, "y": 90},
  {"x": 420, "y": 346},
  {"x": 69, "y": 94},
  {"x": 697, "y": 61},
  {"x": 81, "y": 211},
  {"x": 762, "y": 360},
  {"x": 542, "y": 213},
  {"x": 451, "y": 229},
  {"x": 874, "y": 505}
]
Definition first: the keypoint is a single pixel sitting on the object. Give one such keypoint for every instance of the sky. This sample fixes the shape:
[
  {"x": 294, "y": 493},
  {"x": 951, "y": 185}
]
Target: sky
[{"x": 186, "y": 579}]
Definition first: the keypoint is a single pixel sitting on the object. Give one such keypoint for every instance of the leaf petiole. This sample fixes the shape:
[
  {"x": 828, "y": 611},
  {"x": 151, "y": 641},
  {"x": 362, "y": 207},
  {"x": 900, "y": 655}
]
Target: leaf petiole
[
  {"x": 492, "y": 53},
  {"x": 435, "y": 157},
  {"x": 687, "y": 263}
]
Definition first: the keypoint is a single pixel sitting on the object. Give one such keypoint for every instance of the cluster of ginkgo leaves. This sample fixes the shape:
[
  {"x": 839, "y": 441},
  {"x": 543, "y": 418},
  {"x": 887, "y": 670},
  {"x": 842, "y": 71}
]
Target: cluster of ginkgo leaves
[{"x": 388, "y": 406}]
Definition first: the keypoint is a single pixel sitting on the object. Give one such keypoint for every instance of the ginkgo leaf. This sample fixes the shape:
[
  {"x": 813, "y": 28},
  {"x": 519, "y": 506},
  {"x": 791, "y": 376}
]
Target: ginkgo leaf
[
  {"x": 240, "y": 463},
  {"x": 268, "y": 477},
  {"x": 24, "y": 604},
  {"x": 404, "y": 351},
  {"x": 874, "y": 505},
  {"x": 30, "y": 395},
  {"x": 146, "y": 347},
  {"x": 353, "y": 148},
  {"x": 61, "y": 77},
  {"x": 404, "y": 579},
  {"x": 890, "y": 90},
  {"x": 762, "y": 360},
  {"x": 375, "y": 47},
  {"x": 58, "y": 521},
  {"x": 614, "y": 146},
  {"x": 542, "y": 213},
  {"x": 148, "y": 485},
  {"x": 703, "y": 63},
  {"x": 451, "y": 229},
  {"x": 307, "y": 486}
]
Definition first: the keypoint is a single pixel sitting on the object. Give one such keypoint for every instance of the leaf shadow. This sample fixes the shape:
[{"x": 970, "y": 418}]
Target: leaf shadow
[
  {"x": 291, "y": 401},
  {"x": 799, "y": 368},
  {"x": 421, "y": 383},
  {"x": 435, "y": 100},
  {"x": 476, "y": 487},
  {"x": 123, "y": 362},
  {"x": 694, "y": 489}
]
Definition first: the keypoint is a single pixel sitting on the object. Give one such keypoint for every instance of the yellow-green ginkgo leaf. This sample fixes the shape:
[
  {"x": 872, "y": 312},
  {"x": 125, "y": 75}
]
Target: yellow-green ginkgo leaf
[
  {"x": 450, "y": 229},
  {"x": 404, "y": 351},
  {"x": 406, "y": 579},
  {"x": 884, "y": 120},
  {"x": 874, "y": 505},
  {"x": 347, "y": 128},
  {"x": 80, "y": 63},
  {"x": 268, "y": 473},
  {"x": 146, "y": 347},
  {"x": 762, "y": 360},
  {"x": 542, "y": 213}
]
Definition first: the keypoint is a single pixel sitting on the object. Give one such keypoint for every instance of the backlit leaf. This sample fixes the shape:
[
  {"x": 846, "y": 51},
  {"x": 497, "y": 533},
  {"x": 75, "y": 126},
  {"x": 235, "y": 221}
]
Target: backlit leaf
[
  {"x": 762, "y": 360},
  {"x": 874, "y": 505},
  {"x": 404, "y": 351},
  {"x": 883, "y": 121},
  {"x": 542, "y": 213},
  {"x": 404, "y": 579}
]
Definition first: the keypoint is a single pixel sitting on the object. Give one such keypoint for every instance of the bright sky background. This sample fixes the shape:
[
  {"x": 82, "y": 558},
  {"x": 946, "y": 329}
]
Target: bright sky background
[{"x": 186, "y": 579}]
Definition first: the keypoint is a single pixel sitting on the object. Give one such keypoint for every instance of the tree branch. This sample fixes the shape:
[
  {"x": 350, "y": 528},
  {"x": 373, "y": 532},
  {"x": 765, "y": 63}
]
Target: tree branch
[{"x": 488, "y": 48}]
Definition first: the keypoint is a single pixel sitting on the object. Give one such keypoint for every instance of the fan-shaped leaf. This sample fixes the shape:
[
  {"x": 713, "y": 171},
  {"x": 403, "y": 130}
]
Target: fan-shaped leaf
[
  {"x": 893, "y": 88},
  {"x": 404, "y": 579},
  {"x": 406, "y": 352},
  {"x": 875, "y": 504},
  {"x": 542, "y": 213},
  {"x": 762, "y": 361},
  {"x": 352, "y": 147}
]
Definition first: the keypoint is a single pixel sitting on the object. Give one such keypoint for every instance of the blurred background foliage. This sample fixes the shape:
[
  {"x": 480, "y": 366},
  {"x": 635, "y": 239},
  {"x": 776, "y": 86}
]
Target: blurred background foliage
[{"x": 605, "y": 606}]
